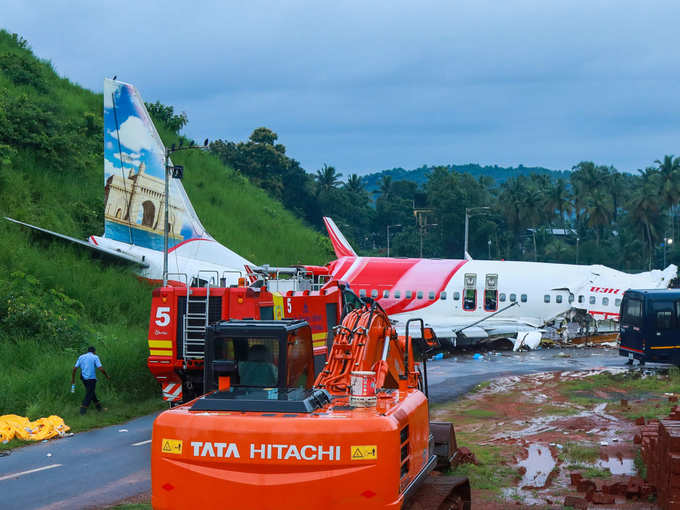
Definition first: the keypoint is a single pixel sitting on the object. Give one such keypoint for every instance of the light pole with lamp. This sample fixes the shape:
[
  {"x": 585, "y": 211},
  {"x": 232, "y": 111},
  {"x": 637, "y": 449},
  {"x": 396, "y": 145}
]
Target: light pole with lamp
[
  {"x": 177, "y": 173},
  {"x": 489, "y": 243},
  {"x": 666, "y": 241},
  {"x": 468, "y": 211},
  {"x": 388, "y": 236}
]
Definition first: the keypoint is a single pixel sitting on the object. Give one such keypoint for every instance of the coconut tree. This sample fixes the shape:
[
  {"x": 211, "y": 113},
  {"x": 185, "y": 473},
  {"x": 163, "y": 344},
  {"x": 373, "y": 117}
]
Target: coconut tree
[
  {"x": 327, "y": 178},
  {"x": 669, "y": 184}
]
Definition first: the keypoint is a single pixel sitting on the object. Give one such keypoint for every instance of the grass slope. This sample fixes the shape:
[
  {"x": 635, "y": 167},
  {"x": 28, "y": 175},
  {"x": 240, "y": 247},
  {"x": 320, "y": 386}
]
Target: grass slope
[{"x": 55, "y": 299}]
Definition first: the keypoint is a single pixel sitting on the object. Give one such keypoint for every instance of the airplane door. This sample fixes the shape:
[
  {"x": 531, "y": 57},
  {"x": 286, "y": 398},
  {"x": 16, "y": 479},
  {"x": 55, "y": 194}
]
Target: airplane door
[
  {"x": 470, "y": 292},
  {"x": 491, "y": 293}
]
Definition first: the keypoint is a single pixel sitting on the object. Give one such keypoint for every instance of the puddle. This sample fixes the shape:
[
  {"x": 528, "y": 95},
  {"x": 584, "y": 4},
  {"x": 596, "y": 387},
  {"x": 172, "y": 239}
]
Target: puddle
[
  {"x": 538, "y": 465},
  {"x": 618, "y": 466}
]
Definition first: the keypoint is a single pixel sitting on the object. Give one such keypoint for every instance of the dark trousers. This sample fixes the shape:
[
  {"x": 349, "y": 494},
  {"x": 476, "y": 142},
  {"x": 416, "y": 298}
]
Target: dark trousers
[{"x": 90, "y": 395}]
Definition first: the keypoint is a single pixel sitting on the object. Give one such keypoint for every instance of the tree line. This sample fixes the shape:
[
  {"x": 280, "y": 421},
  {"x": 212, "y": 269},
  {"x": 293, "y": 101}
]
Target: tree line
[{"x": 593, "y": 214}]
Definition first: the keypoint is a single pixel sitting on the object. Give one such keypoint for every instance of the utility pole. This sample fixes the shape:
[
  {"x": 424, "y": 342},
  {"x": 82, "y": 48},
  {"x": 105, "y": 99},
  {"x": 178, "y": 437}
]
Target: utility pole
[
  {"x": 388, "y": 237},
  {"x": 177, "y": 173}
]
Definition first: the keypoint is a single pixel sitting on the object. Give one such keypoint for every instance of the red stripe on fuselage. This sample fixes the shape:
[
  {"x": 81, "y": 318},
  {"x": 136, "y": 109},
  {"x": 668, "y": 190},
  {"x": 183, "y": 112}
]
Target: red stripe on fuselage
[{"x": 377, "y": 273}]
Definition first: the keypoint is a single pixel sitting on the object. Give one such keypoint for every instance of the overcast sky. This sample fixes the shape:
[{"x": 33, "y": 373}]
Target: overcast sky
[{"x": 367, "y": 86}]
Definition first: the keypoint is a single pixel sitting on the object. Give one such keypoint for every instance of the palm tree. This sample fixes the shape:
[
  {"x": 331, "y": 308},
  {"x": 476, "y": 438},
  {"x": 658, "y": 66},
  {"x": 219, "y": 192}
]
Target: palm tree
[
  {"x": 354, "y": 184},
  {"x": 327, "y": 178},
  {"x": 644, "y": 209},
  {"x": 669, "y": 192},
  {"x": 599, "y": 210},
  {"x": 558, "y": 199},
  {"x": 385, "y": 186}
]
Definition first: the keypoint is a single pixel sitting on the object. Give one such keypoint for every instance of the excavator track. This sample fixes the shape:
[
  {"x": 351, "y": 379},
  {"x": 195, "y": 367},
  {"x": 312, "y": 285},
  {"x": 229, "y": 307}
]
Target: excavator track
[{"x": 441, "y": 493}]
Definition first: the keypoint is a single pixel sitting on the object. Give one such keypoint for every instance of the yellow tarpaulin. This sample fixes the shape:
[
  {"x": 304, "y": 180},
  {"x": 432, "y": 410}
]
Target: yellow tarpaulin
[{"x": 12, "y": 426}]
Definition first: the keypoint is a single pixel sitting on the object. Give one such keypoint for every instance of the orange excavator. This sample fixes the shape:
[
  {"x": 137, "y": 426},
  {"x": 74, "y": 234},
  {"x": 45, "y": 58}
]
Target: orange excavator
[{"x": 267, "y": 435}]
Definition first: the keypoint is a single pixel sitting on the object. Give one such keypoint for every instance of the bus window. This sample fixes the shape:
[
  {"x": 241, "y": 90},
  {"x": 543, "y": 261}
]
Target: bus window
[
  {"x": 632, "y": 311},
  {"x": 664, "y": 320}
]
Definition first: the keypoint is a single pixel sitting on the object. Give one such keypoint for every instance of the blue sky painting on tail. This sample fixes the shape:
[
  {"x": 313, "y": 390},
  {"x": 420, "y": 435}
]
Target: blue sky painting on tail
[{"x": 133, "y": 176}]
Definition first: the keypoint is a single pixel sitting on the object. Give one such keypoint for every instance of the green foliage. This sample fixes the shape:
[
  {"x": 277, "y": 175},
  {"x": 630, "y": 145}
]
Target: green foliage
[
  {"x": 166, "y": 115},
  {"x": 28, "y": 310}
]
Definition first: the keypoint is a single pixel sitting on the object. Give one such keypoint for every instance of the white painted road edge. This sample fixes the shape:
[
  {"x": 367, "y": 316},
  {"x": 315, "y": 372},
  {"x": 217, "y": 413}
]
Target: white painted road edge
[
  {"x": 22, "y": 473},
  {"x": 141, "y": 443}
]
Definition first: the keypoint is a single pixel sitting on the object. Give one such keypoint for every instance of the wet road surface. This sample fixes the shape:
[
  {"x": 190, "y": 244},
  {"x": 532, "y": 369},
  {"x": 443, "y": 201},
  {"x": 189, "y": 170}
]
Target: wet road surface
[
  {"x": 452, "y": 377},
  {"x": 87, "y": 470},
  {"x": 104, "y": 466}
]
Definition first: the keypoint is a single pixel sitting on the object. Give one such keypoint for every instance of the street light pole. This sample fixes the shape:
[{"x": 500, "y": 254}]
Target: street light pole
[
  {"x": 165, "y": 223},
  {"x": 469, "y": 210},
  {"x": 666, "y": 241},
  {"x": 166, "y": 198},
  {"x": 388, "y": 237}
]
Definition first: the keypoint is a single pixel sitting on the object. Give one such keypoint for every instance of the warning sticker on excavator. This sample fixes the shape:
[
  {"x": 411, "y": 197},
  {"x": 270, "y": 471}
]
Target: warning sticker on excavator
[
  {"x": 172, "y": 446},
  {"x": 364, "y": 452}
]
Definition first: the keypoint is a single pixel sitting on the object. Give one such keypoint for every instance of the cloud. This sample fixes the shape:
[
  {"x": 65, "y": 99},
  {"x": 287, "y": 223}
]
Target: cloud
[{"x": 136, "y": 137}]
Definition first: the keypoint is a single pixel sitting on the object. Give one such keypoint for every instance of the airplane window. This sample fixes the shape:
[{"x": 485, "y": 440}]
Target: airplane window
[
  {"x": 558, "y": 298},
  {"x": 571, "y": 297},
  {"x": 456, "y": 296},
  {"x": 374, "y": 294},
  {"x": 502, "y": 298},
  {"x": 419, "y": 294},
  {"x": 581, "y": 299},
  {"x": 443, "y": 295},
  {"x": 430, "y": 295},
  {"x": 408, "y": 294},
  {"x": 469, "y": 299},
  {"x": 592, "y": 300},
  {"x": 386, "y": 293},
  {"x": 546, "y": 298},
  {"x": 513, "y": 298},
  {"x": 362, "y": 292},
  {"x": 523, "y": 297},
  {"x": 397, "y": 294},
  {"x": 617, "y": 302},
  {"x": 605, "y": 301}
]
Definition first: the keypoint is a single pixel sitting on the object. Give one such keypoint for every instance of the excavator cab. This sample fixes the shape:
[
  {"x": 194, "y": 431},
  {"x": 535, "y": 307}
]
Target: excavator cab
[{"x": 259, "y": 366}]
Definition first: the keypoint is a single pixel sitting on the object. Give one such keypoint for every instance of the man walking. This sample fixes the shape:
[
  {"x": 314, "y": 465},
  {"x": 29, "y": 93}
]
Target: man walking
[{"x": 88, "y": 364}]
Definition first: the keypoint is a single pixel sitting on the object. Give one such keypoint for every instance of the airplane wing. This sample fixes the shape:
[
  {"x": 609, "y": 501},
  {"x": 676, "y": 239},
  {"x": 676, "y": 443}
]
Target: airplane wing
[{"x": 105, "y": 252}]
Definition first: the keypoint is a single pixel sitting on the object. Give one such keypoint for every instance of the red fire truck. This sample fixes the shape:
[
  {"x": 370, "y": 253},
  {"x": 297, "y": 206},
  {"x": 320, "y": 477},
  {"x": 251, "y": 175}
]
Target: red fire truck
[{"x": 180, "y": 315}]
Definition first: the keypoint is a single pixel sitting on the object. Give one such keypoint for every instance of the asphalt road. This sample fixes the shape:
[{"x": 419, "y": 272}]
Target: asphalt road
[
  {"x": 104, "y": 466},
  {"x": 87, "y": 470}
]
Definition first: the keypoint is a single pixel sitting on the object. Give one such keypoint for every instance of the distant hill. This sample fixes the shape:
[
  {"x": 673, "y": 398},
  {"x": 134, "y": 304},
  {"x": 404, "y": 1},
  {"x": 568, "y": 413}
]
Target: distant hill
[{"x": 498, "y": 173}]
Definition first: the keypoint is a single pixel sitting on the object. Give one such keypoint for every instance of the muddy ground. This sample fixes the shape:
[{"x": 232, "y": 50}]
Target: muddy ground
[{"x": 529, "y": 433}]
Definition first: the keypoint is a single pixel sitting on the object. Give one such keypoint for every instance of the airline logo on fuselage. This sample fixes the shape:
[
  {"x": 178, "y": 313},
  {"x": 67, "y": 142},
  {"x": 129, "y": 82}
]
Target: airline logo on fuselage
[{"x": 605, "y": 290}]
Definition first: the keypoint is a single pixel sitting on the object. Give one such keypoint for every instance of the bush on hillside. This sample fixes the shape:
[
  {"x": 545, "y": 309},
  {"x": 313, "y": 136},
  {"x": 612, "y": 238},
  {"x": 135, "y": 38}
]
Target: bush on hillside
[
  {"x": 24, "y": 69},
  {"x": 28, "y": 310}
]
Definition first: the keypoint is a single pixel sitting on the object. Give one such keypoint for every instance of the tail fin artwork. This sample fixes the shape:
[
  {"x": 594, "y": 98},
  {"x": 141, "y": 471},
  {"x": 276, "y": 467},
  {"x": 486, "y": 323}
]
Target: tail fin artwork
[
  {"x": 134, "y": 161},
  {"x": 340, "y": 244}
]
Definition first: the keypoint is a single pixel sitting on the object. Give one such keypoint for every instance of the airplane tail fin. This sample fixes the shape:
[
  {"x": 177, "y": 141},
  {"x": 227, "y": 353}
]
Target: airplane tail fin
[
  {"x": 134, "y": 172},
  {"x": 340, "y": 244}
]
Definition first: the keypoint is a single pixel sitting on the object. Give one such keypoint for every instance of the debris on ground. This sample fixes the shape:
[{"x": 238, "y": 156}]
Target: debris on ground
[{"x": 12, "y": 426}]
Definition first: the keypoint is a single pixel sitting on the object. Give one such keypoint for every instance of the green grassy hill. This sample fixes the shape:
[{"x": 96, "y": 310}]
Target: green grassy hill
[{"x": 55, "y": 299}]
